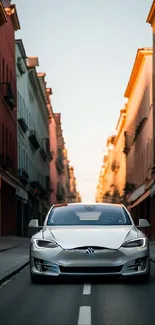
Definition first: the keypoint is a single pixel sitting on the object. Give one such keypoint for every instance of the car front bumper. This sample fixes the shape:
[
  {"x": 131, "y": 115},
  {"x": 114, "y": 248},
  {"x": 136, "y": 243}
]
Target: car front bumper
[{"x": 125, "y": 262}]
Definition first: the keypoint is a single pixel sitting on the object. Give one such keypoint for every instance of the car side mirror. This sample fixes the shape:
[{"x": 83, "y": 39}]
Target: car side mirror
[
  {"x": 33, "y": 227},
  {"x": 33, "y": 223},
  {"x": 143, "y": 223}
]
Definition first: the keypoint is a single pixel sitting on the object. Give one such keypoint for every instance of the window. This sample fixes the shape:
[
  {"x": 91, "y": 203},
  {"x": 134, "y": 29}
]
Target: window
[
  {"x": 26, "y": 164},
  {"x": 23, "y": 109},
  {"x": 14, "y": 150},
  {"x": 3, "y": 139},
  {"x": 18, "y": 155},
  {"x": 3, "y": 70},
  {"x": 27, "y": 117},
  {"x": 91, "y": 215},
  {"x": 147, "y": 156},
  {"x": 10, "y": 145},
  {"x": 6, "y": 132},
  {"x": 0, "y": 67},
  {"x": 7, "y": 73},
  {"x": 10, "y": 76}
]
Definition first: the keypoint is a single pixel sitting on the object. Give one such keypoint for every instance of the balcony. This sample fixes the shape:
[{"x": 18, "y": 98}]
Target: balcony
[
  {"x": 60, "y": 193},
  {"x": 115, "y": 166},
  {"x": 23, "y": 124},
  {"x": 34, "y": 139},
  {"x": 49, "y": 152},
  {"x": 23, "y": 176},
  {"x": 48, "y": 185},
  {"x": 43, "y": 153},
  {"x": 7, "y": 94},
  {"x": 21, "y": 65},
  {"x": 39, "y": 190},
  {"x": 128, "y": 142},
  {"x": 37, "y": 187}
]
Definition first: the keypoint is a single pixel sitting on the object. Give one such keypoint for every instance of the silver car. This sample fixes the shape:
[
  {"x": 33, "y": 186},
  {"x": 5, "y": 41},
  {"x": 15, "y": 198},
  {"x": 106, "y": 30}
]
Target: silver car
[{"x": 89, "y": 239}]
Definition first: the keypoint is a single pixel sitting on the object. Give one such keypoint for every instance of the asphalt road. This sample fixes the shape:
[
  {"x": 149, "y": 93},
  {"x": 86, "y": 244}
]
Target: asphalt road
[{"x": 111, "y": 302}]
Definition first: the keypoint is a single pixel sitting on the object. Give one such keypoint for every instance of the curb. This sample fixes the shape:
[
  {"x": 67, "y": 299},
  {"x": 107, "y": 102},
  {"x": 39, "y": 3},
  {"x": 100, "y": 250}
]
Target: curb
[
  {"x": 9, "y": 274},
  {"x": 8, "y": 248},
  {"x": 152, "y": 260}
]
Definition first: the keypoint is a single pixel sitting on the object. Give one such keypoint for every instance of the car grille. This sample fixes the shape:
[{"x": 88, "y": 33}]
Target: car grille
[
  {"x": 105, "y": 269},
  {"x": 84, "y": 248}
]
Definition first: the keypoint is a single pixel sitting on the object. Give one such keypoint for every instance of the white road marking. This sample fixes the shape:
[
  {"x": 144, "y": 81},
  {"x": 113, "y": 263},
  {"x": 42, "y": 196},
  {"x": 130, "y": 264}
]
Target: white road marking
[
  {"x": 87, "y": 289},
  {"x": 84, "y": 315}
]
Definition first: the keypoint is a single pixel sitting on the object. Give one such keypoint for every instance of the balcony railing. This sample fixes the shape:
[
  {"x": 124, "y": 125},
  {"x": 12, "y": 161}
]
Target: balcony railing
[
  {"x": 23, "y": 176},
  {"x": 59, "y": 166},
  {"x": 7, "y": 94},
  {"x": 23, "y": 125},
  {"x": 128, "y": 142},
  {"x": 43, "y": 153},
  {"x": 48, "y": 184},
  {"x": 39, "y": 190},
  {"x": 60, "y": 192},
  {"x": 33, "y": 138}
]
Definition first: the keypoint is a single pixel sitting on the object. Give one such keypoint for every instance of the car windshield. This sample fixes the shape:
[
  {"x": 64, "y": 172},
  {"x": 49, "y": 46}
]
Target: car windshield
[{"x": 79, "y": 215}]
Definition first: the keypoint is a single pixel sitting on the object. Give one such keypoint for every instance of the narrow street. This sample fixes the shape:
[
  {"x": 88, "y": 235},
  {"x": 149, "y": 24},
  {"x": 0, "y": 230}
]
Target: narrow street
[{"x": 107, "y": 303}]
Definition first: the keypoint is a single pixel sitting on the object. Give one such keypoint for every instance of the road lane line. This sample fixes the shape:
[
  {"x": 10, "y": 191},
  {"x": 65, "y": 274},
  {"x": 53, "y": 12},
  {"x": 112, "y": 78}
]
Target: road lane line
[
  {"x": 84, "y": 315},
  {"x": 87, "y": 289}
]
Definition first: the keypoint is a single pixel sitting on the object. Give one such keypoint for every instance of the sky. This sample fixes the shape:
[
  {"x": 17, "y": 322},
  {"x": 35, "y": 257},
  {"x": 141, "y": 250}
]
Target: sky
[{"x": 87, "y": 49}]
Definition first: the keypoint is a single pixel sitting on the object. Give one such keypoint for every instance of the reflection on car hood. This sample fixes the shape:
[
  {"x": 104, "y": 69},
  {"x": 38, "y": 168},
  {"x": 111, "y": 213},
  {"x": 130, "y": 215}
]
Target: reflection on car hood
[{"x": 71, "y": 237}]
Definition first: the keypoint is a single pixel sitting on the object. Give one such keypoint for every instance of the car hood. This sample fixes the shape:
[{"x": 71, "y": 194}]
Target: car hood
[{"x": 109, "y": 237}]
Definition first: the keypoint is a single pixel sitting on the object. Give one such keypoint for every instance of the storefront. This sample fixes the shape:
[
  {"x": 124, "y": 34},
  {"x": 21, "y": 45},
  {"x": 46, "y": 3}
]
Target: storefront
[
  {"x": 22, "y": 211},
  {"x": 8, "y": 220}
]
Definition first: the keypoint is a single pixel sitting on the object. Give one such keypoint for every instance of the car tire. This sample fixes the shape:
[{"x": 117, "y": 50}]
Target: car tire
[{"x": 35, "y": 279}]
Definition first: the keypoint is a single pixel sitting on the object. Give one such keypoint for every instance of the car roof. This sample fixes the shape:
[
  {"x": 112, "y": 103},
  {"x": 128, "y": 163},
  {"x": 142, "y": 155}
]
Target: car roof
[{"x": 87, "y": 203}]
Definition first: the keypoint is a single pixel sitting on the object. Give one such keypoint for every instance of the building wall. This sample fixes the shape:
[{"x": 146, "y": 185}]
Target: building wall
[
  {"x": 8, "y": 125},
  {"x": 32, "y": 108},
  {"x": 140, "y": 106},
  {"x": 119, "y": 156},
  {"x": 53, "y": 147}
]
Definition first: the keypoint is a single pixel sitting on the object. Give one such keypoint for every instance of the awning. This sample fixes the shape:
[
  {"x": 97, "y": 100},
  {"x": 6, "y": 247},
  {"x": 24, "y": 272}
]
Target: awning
[
  {"x": 142, "y": 198},
  {"x": 22, "y": 193},
  {"x": 9, "y": 181}
]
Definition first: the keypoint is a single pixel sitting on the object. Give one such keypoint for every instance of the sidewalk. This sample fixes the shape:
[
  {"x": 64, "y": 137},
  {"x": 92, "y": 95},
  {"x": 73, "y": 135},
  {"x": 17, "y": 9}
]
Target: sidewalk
[{"x": 14, "y": 255}]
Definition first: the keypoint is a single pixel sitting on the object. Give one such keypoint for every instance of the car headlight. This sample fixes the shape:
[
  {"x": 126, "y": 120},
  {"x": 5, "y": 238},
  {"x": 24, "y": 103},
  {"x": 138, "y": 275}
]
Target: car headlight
[
  {"x": 41, "y": 243},
  {"x": 140, "y": 242}
]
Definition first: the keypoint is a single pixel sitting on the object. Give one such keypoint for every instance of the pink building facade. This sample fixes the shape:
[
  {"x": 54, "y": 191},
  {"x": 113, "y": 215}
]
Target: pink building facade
[
  {"x": 53, "y": 148},
  {"x": 138, "y": 138}
]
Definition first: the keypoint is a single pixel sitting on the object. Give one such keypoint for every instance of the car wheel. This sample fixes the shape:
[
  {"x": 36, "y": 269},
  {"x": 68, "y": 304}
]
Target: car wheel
[{"x": 35, "y": 279}]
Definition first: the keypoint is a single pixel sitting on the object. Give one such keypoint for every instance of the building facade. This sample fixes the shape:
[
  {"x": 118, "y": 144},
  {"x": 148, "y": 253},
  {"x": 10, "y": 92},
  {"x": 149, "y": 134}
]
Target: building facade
[
  {"x": 53, "y": 149},
  {"x": 3, "y": 16},
  {"x": 106, "y": 184},
  {"x": 73, "y": 189},
  {"x": 33, "y": 142},
  {"x": 138, "y": 136},
  {"x": 119, "y": 159},
  {"x": 61, "y": 195},
  {"x": 8, "y": 119},
  {"x": 151, "y": 21}
]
